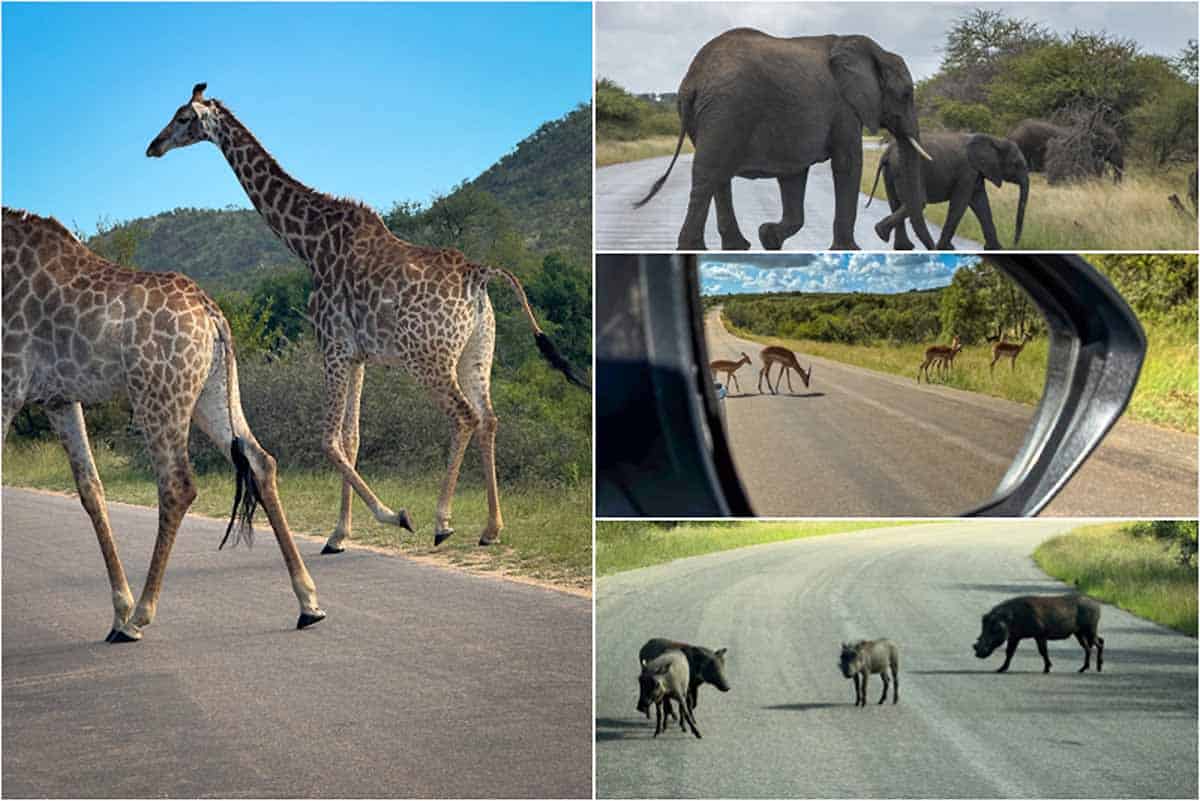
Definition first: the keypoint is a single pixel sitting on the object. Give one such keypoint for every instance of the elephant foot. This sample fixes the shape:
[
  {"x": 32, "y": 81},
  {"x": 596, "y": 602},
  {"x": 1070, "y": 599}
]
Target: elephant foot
[
  {"x": 883, "y": 230},
  {"x": 844, "y": 244},
  {"x": 309, "y": 618},
  {"x": 735, "y": 242},
  {"x": 768, "y": 234},
  {"x": 903, "y": 244},
  {"x": 993, "y": 245},
  {"x": 691, "y": 244},
  {"x": 946, "y": 244}
]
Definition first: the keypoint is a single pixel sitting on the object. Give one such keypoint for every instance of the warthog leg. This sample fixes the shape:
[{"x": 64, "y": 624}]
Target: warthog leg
[
  {"x": 883, "y": 697},
  {"x": 1008, "y": 653},
  {"x": 1041, "y": 644}
]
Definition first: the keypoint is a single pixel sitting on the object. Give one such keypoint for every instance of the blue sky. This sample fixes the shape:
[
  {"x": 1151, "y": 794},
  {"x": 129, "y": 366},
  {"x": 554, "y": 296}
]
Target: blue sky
[
  {"x": 828, "y": 272},
  {"x": 381, "y": 102}
]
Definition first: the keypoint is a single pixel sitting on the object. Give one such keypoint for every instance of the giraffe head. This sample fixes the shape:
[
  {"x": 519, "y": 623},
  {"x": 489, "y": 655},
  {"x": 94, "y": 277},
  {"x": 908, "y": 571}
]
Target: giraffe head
[{"x": 191, "y": 123}]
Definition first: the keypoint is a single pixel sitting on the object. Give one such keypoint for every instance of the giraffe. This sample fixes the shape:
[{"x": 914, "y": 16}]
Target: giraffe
[
  {"x": 79, "y": 329},
  {"x": 377, "y": 299}
]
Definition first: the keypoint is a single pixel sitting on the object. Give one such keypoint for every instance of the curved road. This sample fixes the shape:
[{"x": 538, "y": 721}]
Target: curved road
[
  {"x": 864, "y": 443},
  {"x": 422, "y": 681},
  {"x": 788, "y": 726},
  {"x": 655, "y": 226}
]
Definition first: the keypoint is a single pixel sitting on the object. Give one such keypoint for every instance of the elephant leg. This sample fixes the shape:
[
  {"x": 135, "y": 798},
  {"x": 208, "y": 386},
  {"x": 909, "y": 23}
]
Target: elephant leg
[
  {"x": 902, "y": 242},
  {"x": 704, "y": 185},
  {"x": 731, "y": 235},
  {"x": 791, "y": 192},
  {"x": 983, "y": 212},
  {"x": 954, "y": 214},
  {"x": 847, "y": 176}
]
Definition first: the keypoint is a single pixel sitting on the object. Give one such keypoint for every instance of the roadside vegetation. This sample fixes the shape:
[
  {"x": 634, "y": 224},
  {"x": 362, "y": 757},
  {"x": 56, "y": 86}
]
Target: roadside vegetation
[
  {"x": 997, "y": 70},
  {"x": 628, "y": 545},
  {"x": 1146, "y": 568},
  {"x": 890, "y": 333},
  {"x": 543, "y": 445}
]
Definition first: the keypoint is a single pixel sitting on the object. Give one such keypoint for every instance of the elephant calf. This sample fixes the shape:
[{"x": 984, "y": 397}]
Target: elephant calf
[{"x": 961, "y": 163}]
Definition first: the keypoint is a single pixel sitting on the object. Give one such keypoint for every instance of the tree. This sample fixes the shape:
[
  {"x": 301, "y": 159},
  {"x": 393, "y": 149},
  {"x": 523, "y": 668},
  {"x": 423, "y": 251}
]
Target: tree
[{"x": 117, "y": 242}]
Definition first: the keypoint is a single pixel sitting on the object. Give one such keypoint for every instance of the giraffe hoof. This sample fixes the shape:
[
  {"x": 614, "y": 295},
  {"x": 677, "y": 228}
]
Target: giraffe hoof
[
  {"x": 441, "y": 536},
  {"x": 118, "y": 636},
  {"x": 331, "y": 549},
  {"x": 489, "y": 538},
  {"x": 403, "y": 522},
  {"x": 309, "y": 618}
]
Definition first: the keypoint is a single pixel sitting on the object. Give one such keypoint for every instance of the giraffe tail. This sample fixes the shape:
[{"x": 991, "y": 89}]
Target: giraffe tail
[
  {"x": 544, "y": 344},
  {"x": 245, "y": 490}
]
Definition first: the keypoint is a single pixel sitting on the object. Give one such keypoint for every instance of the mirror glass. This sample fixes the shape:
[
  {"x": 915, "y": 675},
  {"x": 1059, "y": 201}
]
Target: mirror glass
[{"x": 871, "y": 384}]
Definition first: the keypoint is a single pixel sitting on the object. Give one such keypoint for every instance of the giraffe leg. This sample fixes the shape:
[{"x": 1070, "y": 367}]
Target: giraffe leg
[
  {"x": 68, "y": 423},
  {"x": 474, "y": 375},
  {"x": 350, "y": 447},
  {"x": 219, "y": 415},
  {"x": 464, "y": 420},
  {"x": 338, "y": 369},
  {"x": 164, "y": 419}
]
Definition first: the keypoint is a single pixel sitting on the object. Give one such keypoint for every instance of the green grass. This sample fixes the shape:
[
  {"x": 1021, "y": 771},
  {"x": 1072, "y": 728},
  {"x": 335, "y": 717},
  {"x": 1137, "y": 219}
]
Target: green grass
[
  {"x": 1137, "y": 574},
  {"x": 1093, "y": 215},
  {"x": 1165, "y": 394},
  {"x": 546, "y": 537},
  {"x": 616, "y": 151},
  {"x": 628, "y": 545}
]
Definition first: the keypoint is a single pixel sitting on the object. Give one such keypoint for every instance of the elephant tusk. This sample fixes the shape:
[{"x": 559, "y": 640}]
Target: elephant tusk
[{"x": 920, "y": 149}]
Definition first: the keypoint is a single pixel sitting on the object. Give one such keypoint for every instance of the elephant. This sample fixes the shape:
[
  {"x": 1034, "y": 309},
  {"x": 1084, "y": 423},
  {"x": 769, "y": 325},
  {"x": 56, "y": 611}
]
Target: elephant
[
  {"x": 761, "y": 106},
  {"x": 962, "y": 162},
  {"x": 1033, "y": 135}
]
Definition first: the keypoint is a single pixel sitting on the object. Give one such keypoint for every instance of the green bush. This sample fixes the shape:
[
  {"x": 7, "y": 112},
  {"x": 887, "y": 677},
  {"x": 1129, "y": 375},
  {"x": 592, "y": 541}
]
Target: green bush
[{"x": 1179, "y": 536}]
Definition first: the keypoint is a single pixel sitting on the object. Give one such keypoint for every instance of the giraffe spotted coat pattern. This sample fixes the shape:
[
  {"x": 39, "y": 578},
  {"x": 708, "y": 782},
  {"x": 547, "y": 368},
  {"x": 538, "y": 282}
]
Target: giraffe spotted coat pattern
[
  {"x": 79, "y": 329},
  {"x": 379, "y": 299}
]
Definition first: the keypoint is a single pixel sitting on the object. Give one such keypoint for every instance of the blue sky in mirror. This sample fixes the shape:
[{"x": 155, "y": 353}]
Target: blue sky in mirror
[
  {"x": 888, "y": 273},
  {"x": 381, "y": 102}
]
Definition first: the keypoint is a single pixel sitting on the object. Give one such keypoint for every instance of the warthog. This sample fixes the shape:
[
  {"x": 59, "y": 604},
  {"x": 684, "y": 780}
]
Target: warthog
[
  {"x": 1042, "y": 617},
  {"x": 861, "y": 659},
  {"x": 663, "y": 679},
  {"x": 705, "y": 666}
]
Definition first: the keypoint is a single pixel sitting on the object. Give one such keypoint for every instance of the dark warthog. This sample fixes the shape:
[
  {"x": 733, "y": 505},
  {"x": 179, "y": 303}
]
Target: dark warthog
[
  {"x": 705, "y": 666},
  {"x": 861, "y": 659},
  {"x": 1042, "y": 617},
  {"x": 662, "y": 679}
]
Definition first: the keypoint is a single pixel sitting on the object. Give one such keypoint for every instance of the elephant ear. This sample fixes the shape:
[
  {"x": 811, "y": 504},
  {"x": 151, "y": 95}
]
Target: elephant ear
[
  {"x": 984, "y": 156},
  {"x": 852, "y": 62}
]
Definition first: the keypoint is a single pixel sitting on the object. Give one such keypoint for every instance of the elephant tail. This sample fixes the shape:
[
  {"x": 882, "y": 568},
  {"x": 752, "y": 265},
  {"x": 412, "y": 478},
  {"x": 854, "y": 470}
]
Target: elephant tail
[
  {"x": 874, "y": 186},
  {"x": 685, "y": 104}
]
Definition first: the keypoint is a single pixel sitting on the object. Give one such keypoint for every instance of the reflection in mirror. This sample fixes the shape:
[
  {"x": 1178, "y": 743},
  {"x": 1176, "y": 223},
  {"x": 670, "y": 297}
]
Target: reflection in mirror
[{"x": 871, "y": 384}]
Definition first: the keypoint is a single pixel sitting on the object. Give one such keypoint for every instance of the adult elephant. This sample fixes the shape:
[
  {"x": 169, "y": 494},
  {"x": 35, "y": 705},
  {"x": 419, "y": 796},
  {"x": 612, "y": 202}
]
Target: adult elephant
[
  {"x": 1034, "y": 135},
  {"x": 962, "y": 162},
  {"x": 760, "y": 106}
]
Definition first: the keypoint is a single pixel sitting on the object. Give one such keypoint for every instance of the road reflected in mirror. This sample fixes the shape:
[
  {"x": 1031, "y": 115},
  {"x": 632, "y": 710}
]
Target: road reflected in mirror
[{"x": 871, "y": 384}]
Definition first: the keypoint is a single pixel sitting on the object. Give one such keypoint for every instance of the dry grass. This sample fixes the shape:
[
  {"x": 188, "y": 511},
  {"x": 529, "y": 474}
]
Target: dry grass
[
  {"x": 1137, "y": 574},
  {"x": 1095, "y": 215},
  {"x": 618, "y": 152}
]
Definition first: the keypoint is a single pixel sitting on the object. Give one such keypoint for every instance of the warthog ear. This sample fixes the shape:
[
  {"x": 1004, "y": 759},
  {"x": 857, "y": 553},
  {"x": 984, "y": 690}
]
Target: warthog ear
[{"x": 721, "y": 651}]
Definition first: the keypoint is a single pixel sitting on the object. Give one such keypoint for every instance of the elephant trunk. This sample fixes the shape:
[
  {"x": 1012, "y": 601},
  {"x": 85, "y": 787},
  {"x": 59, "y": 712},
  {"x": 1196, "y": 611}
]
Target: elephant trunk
[
  {"x": 1024, "y": 184},
  {"x": 912, "y": 189}
]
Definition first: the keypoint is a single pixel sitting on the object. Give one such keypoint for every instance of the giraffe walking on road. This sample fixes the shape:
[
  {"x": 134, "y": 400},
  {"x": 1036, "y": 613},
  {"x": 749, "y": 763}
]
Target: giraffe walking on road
[
  {"x": 375, "y": 298},
  {"x": 79, "y": 329}
]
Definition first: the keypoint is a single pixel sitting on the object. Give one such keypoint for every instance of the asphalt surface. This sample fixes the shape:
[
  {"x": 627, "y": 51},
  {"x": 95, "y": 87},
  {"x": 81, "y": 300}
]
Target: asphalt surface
[
  {"x": 421, "y": 682},
  {"x": 788, "y": 726},
  {"x": 655, "y": 226},
  {"x": 862, "y": 443}
]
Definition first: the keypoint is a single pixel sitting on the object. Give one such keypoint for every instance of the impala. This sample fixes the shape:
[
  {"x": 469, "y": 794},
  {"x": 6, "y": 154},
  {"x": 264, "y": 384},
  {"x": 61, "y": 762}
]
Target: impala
[
  {"x": 1009, "y": 350},
  {"x": 729, "y": 368},
  {"x": 787, "y": 361},
  {"x": 939, "y": 355}
]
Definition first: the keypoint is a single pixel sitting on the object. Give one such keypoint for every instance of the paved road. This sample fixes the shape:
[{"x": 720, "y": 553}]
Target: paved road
[
  {"x": 788, "y": 727},
  {"x": 655, "y": 226},
  {"x": 422, "y": 681},
  {"x": 863, "y": 443}
]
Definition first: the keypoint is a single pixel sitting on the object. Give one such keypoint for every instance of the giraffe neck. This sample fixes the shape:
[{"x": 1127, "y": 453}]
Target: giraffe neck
[{"x": 284, "y": 203}]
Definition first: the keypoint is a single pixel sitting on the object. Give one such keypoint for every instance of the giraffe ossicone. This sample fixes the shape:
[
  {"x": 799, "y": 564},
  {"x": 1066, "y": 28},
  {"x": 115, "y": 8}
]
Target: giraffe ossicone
[
  {"x": 80, "y": 329},
  {"x": 378, "y": 299}
]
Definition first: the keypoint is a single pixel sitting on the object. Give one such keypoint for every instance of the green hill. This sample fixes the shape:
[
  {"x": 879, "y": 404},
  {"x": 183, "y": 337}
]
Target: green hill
[{"x": 544, "y": 184}]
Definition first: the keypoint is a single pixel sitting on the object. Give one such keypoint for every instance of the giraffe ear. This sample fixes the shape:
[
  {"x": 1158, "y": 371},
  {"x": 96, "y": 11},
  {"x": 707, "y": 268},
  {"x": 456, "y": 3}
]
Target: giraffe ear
[{"x": 198, "y": 92}]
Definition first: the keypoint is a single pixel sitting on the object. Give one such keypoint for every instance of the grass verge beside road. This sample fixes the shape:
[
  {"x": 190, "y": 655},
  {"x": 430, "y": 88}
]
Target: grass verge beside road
[
  {"x": 546, "y": 538},
  {"x": 1165, "y": 393},
  {"x": 1095, "y": 215},
  {"x": 616, "y": 151},
  {"x": 1137, "y": 574},
  {"x": 628, "y": 545}
]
